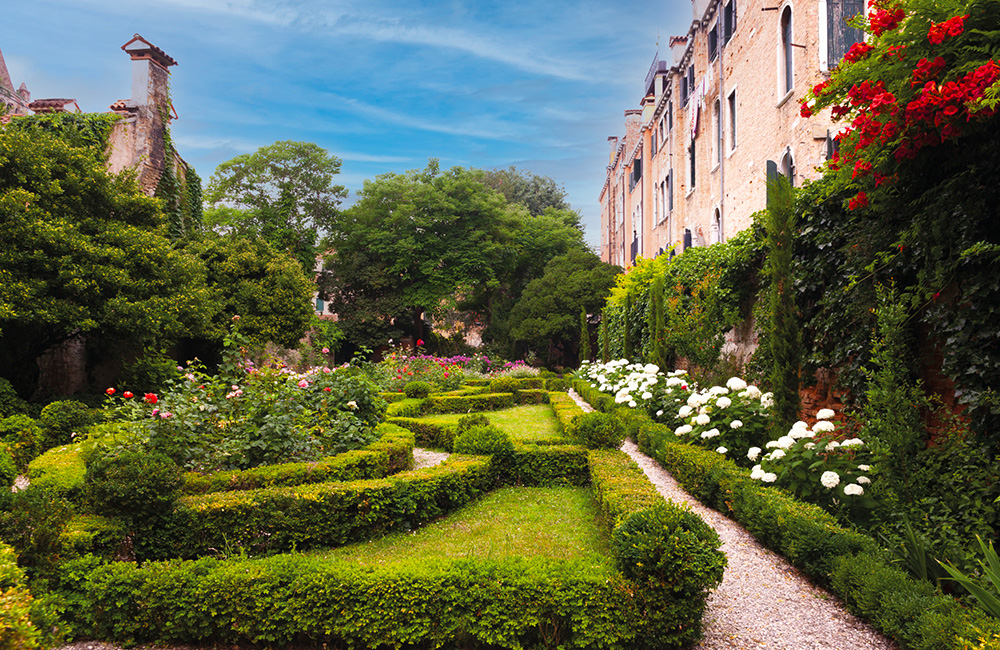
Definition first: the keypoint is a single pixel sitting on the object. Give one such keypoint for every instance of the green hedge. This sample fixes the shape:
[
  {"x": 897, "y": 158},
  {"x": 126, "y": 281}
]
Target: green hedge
[
  {"x": 428, "y": 434},
  {"x": 300, "y": 601},
  {"x": 93, "y": 534},
  {"x": 470, "y": 403},
  {"x": 17, "y": 632},
  {"x": 565, "y": 408},
  {"x": 558, "y": 384},
  {"x": 391, "y": 398},
  {"x": 548, "y": 465},
  {"x": 603, "y": 402},
  {"x": 849, "y": 563},
  {"x": 391, "y": 453},
  {"x": 62, "y": 470},
  {"x": 672, "y": 555},
  {"x": 407, "y": 408},
  {"x": 321, "y": 514}
]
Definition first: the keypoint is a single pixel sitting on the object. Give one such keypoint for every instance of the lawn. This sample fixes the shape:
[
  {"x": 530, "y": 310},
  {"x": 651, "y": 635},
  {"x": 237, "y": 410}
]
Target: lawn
[
  {"x": 556, "y": 523},
  {"x": 523, "y": 423}
]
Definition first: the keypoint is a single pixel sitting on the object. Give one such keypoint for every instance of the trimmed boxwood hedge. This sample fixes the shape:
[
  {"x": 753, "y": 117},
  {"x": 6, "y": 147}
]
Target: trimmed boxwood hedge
[
  {"x": 849, "y": 563},
  {"x": 295, "y": 600},
  {"x": 428, "y": 434},
  {"x": 391, "y": 453},
  {"x": 322, "y": 514},
  {"x": 565, "y": 408},
  {"x": 548, "y": 465}
]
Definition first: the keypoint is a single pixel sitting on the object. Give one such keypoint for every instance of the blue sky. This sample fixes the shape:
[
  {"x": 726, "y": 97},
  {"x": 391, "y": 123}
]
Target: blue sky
[{"x": 383, "y": 84}]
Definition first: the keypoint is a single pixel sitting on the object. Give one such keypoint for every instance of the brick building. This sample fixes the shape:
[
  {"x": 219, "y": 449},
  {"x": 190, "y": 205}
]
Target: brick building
[{"x": 691, "y": 167}]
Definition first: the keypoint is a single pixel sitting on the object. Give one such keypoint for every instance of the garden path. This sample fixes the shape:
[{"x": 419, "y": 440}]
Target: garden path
[
  {"x": 427, "y": 458},
  {"x": 763, "y": 601}
]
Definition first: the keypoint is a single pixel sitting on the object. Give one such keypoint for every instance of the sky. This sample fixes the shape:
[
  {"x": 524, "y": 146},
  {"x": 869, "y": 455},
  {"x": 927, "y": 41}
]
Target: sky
[{"x": 384, "y": 85}]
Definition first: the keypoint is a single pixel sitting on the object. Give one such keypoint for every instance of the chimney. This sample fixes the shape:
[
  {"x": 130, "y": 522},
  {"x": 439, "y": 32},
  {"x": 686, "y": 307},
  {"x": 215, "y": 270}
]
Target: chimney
[
  {"x": 149, "y": 72},
  {"x": 613, "y": 141}
]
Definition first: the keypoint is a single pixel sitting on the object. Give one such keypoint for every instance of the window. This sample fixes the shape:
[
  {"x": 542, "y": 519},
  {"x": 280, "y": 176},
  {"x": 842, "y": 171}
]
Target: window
[
  {"x": 691, "y": 166},
  {"x": 839, "y": 35},
  {"x": 670, "y": 191},
  {"x": 717, "y": 227},
  {"x": 636, "y": 174},
  {"x": 786, "y": 50},
  {"x": 687, "y": 88},
  {"x": 670, "y": 116},
  {"x": 787, "y": 167},
  {"x": 320, "y": 305},
  {"x": 729, "y": 21},
  {"x": 732, "y": 120},
  {"x": 717, "y": 142},
  {"x": 713, "y": 43}
]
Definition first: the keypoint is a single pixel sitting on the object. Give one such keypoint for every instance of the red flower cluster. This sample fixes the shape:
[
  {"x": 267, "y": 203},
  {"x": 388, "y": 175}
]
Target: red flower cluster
[
  {"x": 110, "y": 391},
  {"x": 859, "y": 201},
  {"x": 885, "y": 20},
  {"x": 861, "y": 167},
  {"x": 151, "y": 398},
  {"x": 805, "y": 110},
  {"x": 940, "y": 32},
  {"x": 927, "y": 71},
  {"x": 857, "y": 52},
  {"x": 820, "y": 88}
]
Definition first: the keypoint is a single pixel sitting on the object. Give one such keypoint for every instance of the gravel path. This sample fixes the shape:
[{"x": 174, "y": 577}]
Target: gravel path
[
  {"x": 427, "y": 458},
  {"x": 763, "y": 602}
]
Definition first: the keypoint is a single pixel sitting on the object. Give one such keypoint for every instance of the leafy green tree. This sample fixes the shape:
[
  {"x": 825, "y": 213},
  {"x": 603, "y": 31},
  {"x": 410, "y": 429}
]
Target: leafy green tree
[
  {"x": 284, "y": 193},
  {"x": 250, "y": 279},
  {"x": 546, "y": 316},
  {"x": 536, "y": 193},
  {"x": 83, "y": 253},
  {"x": 412, "y": 245}
]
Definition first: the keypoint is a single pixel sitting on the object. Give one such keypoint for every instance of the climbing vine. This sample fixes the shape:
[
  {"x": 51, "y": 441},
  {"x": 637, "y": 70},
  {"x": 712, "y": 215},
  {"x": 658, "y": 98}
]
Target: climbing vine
[
  {"x": 180, "y": 194},
  {"x": 90, "y": 131}
]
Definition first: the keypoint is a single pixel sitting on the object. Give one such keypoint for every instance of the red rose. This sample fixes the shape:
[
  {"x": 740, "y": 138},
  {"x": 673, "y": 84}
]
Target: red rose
[
  {"x": 805, "y": 111},
  {"x": 128, "y": 394},
  {"x": 110, "y": 391},
  {"x": 151, "y": 398}
]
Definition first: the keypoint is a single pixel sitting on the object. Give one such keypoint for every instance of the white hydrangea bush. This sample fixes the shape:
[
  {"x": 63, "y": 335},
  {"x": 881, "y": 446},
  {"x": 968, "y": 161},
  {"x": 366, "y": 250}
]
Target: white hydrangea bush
[
  {"x": 638, "y": 385},
  {"x": 733, "y": 417},
  {"x": 817, "y": 465}
]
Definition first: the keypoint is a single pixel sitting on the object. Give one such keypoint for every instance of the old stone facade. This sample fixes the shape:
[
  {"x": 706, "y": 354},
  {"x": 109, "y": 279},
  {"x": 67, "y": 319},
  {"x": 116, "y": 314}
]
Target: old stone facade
[{"x": 691, "y": 167}]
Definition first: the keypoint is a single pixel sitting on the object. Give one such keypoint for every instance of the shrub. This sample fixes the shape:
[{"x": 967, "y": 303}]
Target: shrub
[
  {"x": 131, "y": 484},
  {"x": 8, "y": 468},
  {"x": 597, "y": 431},
  {"x": 153, "y": 372},
  {"x": 60, "y": 420},
  {"x": 548, "y": 465},
  {"x": 10, "y": 403},
  {"x": 428, "y": 434},
  {"x": 32, "y": 521},
  {"x": 504, "y": 385},
  {"x": 467, "y": 422},
  {"x": 24, "y": 437},
  {"x": 93, "y": 535},
  {"x": 483, "y": 440},
  {"x": 17, "y": 632},
  {"x": 417, "y": 389},
  {"x": 469, "y": 403}
]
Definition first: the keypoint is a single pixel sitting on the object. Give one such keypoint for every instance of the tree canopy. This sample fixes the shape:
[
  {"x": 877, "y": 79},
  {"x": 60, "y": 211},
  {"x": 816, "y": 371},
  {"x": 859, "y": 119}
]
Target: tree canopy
[{"x": 284, "y": 193}]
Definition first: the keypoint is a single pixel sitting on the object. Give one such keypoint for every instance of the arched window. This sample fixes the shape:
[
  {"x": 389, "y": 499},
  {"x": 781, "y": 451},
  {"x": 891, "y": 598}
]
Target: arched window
[
  {"x": 716, "y": 227},
  {"x": 786, "y": 49},
  {"x": 787, "y": 166}
]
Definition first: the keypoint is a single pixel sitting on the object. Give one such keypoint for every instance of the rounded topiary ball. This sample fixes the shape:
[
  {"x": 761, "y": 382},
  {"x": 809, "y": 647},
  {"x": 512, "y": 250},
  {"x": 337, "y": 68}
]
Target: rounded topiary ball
[
  {"x": 597, "y": 431},
  {"x": 417, "y": 389}
]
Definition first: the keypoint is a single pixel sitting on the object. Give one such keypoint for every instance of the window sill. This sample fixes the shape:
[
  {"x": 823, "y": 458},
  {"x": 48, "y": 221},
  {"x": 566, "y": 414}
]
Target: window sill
[
  {"x": 784, "y": 99},
  {"x": 729, "y": 154},
  {"x": 715, "y": 168}
]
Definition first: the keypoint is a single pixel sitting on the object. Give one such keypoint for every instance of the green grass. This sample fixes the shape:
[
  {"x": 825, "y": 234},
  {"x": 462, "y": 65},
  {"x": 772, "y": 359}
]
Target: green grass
[
  {"x": 554, "y": 523},
  {"x": 523, "y": 423}
]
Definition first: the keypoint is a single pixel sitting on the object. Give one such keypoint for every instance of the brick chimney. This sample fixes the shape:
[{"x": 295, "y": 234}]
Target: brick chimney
[{"x": 150, "y": 74}]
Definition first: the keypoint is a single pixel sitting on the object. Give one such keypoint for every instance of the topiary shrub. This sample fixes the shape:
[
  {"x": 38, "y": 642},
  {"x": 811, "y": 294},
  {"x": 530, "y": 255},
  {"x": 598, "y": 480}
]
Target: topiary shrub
[
  {"x": 597, "y": 431},
  {"x": 418, "y": 389},
  {"x": 504, "y": 385},
  {"x": 16, "y": 629},
  {"x": 132, "y": 484},
  {"x": 60, "y": 420},
  {"x": 483, "y": 440},
  {"x": 466, "y": 422},
  {"x": 10, "y": 403},
  {"x": 24, "y": 437}
]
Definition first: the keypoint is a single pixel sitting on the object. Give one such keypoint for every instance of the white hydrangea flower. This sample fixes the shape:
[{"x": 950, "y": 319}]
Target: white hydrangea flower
[
  {"x": 721, "y": 450},
  {"x": 824, "y": 425},
  {"x": 853, "y": 442},
  {"x": 736, "y": 424},
  {"x": 685, "y": 411},
  {"x": 864, "y": 480},
  {"x": 777, "y": 454},
  {"x": 674, "y": 381},
  {"x": 651, "y": 368},
  {"x": 800, "y": 425},
  {"x": 632, "y": 404},
  {"x": 718, "y": 390},
  {"x": 736, "y": 384},
  {"x": 711, "y": 433},
  {"x": 853, "y": 490},
  {"x": 865, "y": 468},
  {"x": 659, "y": 413},
  {"x": 825, "y": 414},
  {"x": 683, "y": 430},
  {"x": 647, "y": 395},
  {"x": 769, "y": 477},
  {"x": 723, "y": 402},
  {"x": 767, "y": 400},
  {"x": 809, "y": 445},
  {"x": 771, "y": 444},
  {"x": 753, "y": 392},
  {"x": 830, "y": 480},
  {"x": 756, "y": 473},
  {"x": 784, "y": 442},
  {"x": 753, "y": 452},
  {"x": 833, "y": 444},
  {"x": 702, "y": 420}
]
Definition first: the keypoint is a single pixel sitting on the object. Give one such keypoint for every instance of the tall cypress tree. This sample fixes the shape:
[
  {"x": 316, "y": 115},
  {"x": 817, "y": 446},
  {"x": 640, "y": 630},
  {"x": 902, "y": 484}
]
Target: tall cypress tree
[
  {"x": 785, "y": 337},
  {"x": 584, "y": 336}
]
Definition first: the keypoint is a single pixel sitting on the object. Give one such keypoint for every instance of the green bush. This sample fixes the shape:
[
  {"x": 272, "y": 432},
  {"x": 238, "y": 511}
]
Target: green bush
[
  {"x": 558, "y": 384},
  {"x": 151, "y": 373},
  {"x": 93, "y": 535},
  {"x": 483, "y": 440},
  {"x": 417, "y": 389},
  {"x": 10, "y": 403},
  {"x": 467, "y": 422},
  {"x": 8, "y": 468},
  {"x": 17, "y": 632},
  {"x": 620, "y": 488},
  {"x": 469, "y": 403},
  {"x": 32, "y": 521},
  {"x": 407, "y": 408},
  {"x": 565, "y": 408},
  {"x": 62, "y": 470},
  {"x": 531, "y": 396},
  {"x": 135, "y": 485},
  {"x": 504, "y": 385},
  {"x": 24, "y": 437},
  {"x": 548, "y": 465},
  {"x": 320, "y": 514},
  {"x": 597, "y": 431},
  {"x": 295, "y": 600},
  {"x": 428, "y": 434},
  {"x": 391, "y": 453},
  {"x": 60, "y": 420}
]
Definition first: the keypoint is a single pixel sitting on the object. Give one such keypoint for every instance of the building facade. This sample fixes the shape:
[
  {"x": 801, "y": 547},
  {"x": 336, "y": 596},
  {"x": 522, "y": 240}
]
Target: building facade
[{"x": 691, "y": 168}]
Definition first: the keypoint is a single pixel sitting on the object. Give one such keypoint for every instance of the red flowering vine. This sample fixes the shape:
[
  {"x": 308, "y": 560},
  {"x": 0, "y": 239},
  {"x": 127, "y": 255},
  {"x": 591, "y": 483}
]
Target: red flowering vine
[
  {"x": 881, "y": 21},
  {"x": 940, "y": 32}
]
